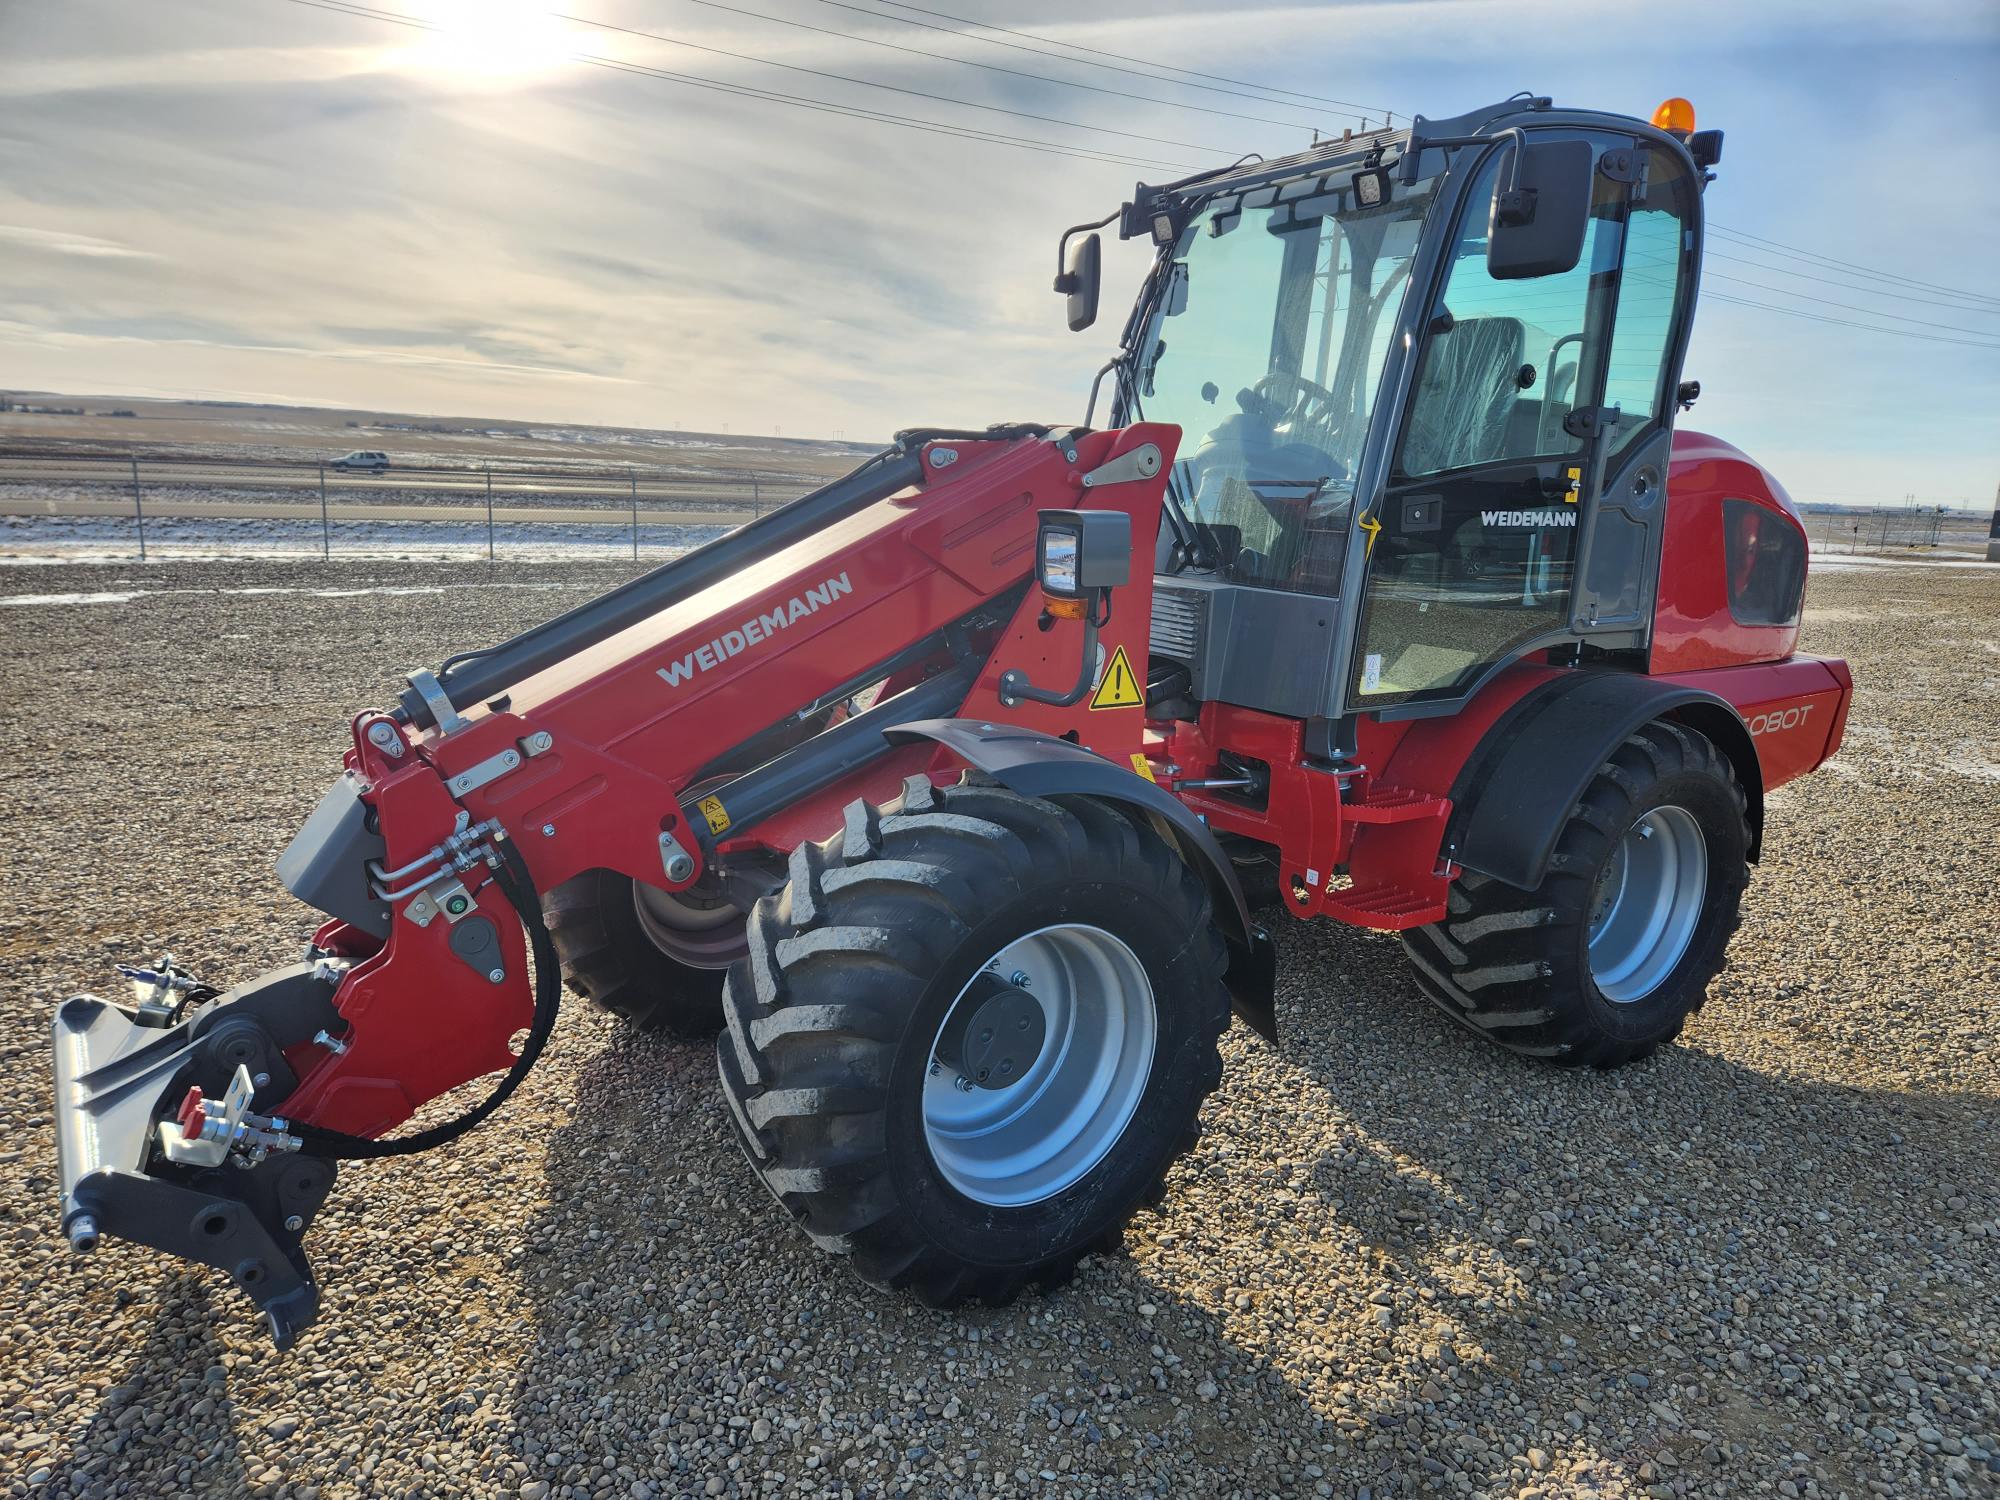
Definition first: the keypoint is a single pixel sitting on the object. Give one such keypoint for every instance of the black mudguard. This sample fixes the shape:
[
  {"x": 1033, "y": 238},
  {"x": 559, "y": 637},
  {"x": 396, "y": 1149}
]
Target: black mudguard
[
  {"x": 1040, "y": 765},
  {"x": 1515, "y": 792}
]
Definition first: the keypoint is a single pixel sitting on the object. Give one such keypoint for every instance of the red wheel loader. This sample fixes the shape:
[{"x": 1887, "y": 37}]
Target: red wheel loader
[{"x": 946, "y": 793}]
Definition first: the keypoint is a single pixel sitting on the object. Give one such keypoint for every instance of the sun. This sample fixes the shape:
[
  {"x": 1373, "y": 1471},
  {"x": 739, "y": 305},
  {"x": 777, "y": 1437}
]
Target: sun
[{"x": 488, "y": 41}]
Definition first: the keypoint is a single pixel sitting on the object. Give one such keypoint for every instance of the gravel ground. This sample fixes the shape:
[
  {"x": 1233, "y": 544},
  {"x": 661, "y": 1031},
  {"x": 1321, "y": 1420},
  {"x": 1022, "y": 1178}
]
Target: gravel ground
[{"x": 1399, "y": 1262}]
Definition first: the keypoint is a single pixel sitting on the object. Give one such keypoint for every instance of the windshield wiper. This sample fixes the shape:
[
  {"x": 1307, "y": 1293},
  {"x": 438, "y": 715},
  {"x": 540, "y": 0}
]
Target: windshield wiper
[
  {"x": 1192, "y": 547},
  {"x": 1195, "y": 549}
]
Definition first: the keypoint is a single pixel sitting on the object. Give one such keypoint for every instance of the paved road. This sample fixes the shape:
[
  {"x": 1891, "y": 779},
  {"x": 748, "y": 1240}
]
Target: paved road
[
  {"x": 307, "y": 476},
  {"x": 158, "y": 508}
]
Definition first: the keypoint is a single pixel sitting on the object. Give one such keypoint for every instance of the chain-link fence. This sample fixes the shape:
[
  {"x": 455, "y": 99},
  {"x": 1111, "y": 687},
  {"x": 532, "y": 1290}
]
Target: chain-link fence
[
  {"x": 150, "y": 507},
  {"x": 1892, "y": 527}
]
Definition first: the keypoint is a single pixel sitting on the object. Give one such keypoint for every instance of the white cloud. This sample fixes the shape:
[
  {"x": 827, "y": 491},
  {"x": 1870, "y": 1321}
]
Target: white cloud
[
  {"x": 278, "y": 199},
  {"x": 64, "y": 242}
]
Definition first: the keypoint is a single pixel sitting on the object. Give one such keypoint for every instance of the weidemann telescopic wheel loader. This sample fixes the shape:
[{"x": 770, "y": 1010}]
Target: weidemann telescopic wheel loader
[{"x": 943, "y": 811}]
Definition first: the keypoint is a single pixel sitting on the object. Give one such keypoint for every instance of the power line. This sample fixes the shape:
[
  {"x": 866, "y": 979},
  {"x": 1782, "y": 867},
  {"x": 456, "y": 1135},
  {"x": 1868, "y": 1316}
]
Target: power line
[
  {"x": 1872, "y": 312},
  {"x": 1059, "y": 57},
  {"x": 1973, "y": 338},
  {"x": 1904, "y": 333},
  {"x": 1143, "y": 61},
  {"x": 1813, "y": 257},
  {"x": 934, "y": 127},
  {"x": 1711, "y": 253},
  {"x": 886, "y": 87},
  {"x": 1068, "y": 83},
  {"x": 772, "y": 96},
  {"x": 908, "y": 122}
]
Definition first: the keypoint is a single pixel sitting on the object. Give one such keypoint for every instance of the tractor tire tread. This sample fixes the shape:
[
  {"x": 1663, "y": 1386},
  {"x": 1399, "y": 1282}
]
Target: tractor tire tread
[
  {"x": 1488, "y": 964},
  {"x": 837, "y": 961},
  {"x": 608, "y": 960}
]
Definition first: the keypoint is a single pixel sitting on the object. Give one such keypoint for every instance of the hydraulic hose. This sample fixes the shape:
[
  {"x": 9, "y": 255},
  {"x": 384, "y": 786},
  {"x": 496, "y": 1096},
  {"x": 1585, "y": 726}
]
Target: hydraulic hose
[{"x": 519, "y": 888}]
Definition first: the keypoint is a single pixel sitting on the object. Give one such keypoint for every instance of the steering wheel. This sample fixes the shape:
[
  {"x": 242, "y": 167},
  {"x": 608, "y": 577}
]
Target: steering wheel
[{"x": 1310, "y": 409}]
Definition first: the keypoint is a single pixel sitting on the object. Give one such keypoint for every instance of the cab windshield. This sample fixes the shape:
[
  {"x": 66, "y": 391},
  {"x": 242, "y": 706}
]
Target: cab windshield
[{"x": 1266, "y": 352}]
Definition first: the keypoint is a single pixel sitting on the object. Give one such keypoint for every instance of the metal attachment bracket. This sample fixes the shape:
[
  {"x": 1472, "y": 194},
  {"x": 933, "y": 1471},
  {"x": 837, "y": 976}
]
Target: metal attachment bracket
[
  {"x": 426, "y": 686},
  {"x": 442, "y": 898},
  {"x": 541, "y": 742},
  {"x": 1143, "y": 462},
  {"x": 490, "y": 769},
  {"x": 205, "y": 1133},
  {"x": 675, "y": 861}
]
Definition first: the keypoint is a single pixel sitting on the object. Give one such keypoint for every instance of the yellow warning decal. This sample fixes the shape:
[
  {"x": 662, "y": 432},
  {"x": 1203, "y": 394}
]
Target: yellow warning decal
[
  {"x": 1143, "y": 766},
  {"x": 717, "y": 815},
  {"x": 1119, "y": 689}
]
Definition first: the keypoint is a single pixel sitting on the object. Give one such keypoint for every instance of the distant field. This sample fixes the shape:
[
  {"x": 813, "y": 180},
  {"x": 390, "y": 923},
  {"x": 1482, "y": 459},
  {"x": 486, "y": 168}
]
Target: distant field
[
  {"x": 235, "y": 434},
  {"x": 214, "y": 479}
]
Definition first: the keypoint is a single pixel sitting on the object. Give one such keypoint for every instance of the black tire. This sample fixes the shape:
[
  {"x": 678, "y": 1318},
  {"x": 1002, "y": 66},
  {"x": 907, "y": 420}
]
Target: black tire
[
  {"x": 608, "y": 959},
  {"x": 1514, "y": 965},
  {"x": 852, "y": 969}
]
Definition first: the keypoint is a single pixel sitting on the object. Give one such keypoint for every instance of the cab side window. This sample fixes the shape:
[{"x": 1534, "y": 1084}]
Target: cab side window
[
  {"x": 1503, "y": 358},
  {"x": 1658, "y": 256}
]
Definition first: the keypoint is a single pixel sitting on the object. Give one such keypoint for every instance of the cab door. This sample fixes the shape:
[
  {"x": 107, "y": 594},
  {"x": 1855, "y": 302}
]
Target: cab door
[
  {"x": 1618, "y": 545},
  {"x": 1487, "y": 544}
]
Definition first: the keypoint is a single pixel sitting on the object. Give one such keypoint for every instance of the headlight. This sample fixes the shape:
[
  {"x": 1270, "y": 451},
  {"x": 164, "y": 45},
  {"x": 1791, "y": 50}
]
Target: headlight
[{"x": 1058, "y": 568}]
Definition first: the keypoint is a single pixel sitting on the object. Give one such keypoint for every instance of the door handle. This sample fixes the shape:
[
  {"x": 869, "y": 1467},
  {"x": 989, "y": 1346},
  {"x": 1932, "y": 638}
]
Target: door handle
[{"x": 1597, "y": 424}]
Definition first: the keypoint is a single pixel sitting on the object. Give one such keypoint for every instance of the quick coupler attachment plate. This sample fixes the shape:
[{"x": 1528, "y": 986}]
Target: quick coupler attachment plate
[{"x": 119, "y": 1080}]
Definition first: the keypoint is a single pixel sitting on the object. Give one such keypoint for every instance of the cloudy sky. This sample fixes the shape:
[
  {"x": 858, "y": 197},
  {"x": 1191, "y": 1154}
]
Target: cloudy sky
[{"x": 271, "y": 200}]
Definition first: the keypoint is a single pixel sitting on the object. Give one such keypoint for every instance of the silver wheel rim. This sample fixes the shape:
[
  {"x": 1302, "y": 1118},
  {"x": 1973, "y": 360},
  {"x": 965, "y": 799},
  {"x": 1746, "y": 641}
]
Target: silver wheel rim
[
  {"x": 689, "y": 927},
  {"x": 1031, "y": 1140},
  {"x": 1647, "y": 904}
]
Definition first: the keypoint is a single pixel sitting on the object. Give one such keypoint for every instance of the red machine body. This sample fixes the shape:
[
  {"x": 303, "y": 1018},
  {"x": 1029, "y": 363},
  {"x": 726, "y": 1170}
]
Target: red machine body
[
  {"x": 1386, "y": 835},
  {"x": 629, "y": 746},
  {"x": 1477, "y": 733}
]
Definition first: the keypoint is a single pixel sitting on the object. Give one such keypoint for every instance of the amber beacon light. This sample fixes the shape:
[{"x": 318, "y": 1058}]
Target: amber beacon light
[{"x": 1676, "y": 117}]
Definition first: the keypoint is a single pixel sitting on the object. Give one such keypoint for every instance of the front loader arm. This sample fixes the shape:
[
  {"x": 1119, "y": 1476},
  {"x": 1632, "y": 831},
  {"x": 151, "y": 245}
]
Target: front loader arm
[{"x": 601, "y": 741}]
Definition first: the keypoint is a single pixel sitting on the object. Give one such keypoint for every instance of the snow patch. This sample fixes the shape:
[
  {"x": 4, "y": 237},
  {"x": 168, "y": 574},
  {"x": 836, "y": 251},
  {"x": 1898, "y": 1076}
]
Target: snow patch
[
  {"x": 127, "y": 596},
  {"x": 29, "y": 599},
  {"x": 1831, "y": 562},
  {"x": 99, "y": 539}
]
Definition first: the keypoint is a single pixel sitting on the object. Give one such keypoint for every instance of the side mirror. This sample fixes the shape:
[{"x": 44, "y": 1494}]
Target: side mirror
[
  {"x": 1541, "y": 208},
  {"x": 1083, "y": 268}
]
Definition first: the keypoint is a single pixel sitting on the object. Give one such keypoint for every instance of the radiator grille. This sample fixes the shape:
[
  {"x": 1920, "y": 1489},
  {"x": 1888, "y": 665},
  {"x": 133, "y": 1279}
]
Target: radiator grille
[{"x": 1179, "y": 616}]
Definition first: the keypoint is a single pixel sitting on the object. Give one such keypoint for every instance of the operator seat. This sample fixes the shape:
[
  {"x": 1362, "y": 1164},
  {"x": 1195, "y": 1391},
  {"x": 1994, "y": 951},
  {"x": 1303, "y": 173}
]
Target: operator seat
[{"x": 1465, "y": 395}]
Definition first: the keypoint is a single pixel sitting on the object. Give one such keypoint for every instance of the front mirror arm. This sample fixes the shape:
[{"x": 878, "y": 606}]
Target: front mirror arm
[{"x": 1510, "y": 189}]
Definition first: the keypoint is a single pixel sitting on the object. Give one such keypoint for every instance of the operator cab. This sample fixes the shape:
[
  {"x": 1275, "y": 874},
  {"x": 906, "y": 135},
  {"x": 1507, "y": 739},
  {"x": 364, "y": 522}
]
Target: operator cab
[{"x": 1425, "y": 381}]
